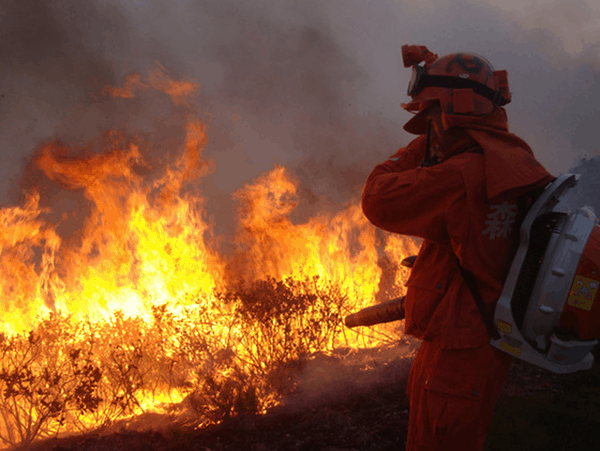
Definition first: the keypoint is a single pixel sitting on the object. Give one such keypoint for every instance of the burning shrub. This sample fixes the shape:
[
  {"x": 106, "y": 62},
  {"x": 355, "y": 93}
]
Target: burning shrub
[
  {"x": 281, "y": 324},
  {"x": 231, "y": 353},
  {"x": 227, "y": 393},
  {"x": 76, "y": 375},
  {"x": 234, "y": 352},
  {"x": 137, "y": 277},
  {"x": 118, "y": 348},
  {"x": 44, "y": 377},
  {"x": 289, "y": 319}
]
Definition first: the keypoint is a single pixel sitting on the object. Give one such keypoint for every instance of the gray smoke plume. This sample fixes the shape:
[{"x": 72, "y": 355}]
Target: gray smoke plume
[
  {"x": 52, "y": 77},
  {"x": 587, "y": 190},
  {"x": 311, "y": 85}
]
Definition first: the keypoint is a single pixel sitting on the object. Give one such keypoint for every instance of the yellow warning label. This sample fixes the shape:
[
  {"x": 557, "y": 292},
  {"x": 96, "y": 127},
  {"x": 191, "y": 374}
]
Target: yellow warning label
[
  {"x": 505, "y": 327},
  {"x": 583, "y": 292},
  {"x": 510, "y": 349}
]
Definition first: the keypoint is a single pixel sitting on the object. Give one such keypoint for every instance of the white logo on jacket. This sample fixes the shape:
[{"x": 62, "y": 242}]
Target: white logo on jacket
[{"x": 500, "y": 220}]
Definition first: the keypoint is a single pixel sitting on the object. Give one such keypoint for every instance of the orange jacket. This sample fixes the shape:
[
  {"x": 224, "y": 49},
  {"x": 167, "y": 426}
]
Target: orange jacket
[{"x": 467, "y": 205}]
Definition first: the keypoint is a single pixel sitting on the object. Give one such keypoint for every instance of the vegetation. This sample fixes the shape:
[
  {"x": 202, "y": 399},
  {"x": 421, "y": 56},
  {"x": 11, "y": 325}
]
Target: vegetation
[
  {"x": 227, "y": 359},
  {"x": 538, "y": 410},
  {"x": 238, "y": 352}
]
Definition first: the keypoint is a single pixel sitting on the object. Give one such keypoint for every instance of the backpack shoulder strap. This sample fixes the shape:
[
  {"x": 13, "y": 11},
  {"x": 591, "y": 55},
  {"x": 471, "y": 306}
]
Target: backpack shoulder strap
[
  {"x": 525, "y": 202},
  {"x": 488, "y": 320}
]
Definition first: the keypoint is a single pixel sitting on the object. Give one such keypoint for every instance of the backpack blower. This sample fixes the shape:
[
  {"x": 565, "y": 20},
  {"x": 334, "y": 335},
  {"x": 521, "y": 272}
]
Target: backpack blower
[{"x": 547, "y": 313}]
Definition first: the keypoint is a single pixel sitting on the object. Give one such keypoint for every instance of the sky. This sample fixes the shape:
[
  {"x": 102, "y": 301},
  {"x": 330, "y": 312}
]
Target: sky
[{"x": 311, "y": 85}]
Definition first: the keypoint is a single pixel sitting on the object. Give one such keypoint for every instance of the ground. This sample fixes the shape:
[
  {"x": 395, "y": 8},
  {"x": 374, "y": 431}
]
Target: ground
[{"x": 370, "y": 413}]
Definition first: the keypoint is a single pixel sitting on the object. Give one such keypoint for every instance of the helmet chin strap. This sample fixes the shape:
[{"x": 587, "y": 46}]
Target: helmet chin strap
[{"x": 428, "y": 160}]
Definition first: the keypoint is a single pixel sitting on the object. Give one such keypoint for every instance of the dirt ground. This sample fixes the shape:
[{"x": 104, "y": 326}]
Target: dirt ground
[{"x": 359, "y": 405}]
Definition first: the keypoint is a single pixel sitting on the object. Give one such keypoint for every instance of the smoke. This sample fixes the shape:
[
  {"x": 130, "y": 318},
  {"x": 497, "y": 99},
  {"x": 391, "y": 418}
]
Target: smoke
[
  {"x": 557, "y": 45},
  {"x": 350, "y": 375},
  {"x": 567, "y": 32},
  {"x": 52, "y": 76},
  {"x": 311, "y": 85},
  {"x": 587, "y": 190}
]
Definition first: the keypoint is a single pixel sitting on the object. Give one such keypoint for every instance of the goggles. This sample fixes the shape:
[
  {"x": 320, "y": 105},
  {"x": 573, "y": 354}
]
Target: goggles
[
  {"x": 415, "y": 85},
  {"x": 420, "y": 80}
]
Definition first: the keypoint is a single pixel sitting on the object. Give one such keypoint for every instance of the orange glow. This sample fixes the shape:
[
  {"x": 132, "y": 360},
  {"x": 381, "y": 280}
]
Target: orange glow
[
  {"x": 158, "y": 79},
  {"x": 340, "y": 248},
  {"x": 144, "y": 258}
]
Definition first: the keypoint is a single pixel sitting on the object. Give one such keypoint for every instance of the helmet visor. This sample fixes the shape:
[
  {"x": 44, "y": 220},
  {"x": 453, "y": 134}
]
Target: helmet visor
[{"x": 415, "y": 85}]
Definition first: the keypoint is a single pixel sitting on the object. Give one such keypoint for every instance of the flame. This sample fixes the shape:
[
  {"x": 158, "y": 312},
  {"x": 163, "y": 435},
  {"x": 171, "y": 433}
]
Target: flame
[
  {"x": 141, "y": 243},
  {"x": 158, "y": 79},
  {"x": 22, "y": 286},
  {"x": 397, "y": 248},
  {"x": 340, "y": 248},
  {"x": 145, "y": 252}
]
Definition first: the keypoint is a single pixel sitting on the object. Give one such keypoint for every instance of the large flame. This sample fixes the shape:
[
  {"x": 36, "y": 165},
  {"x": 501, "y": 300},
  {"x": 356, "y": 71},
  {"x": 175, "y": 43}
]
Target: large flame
[
  {"x": 341, "y": 248},
  {"x": 145, "y": 245}
]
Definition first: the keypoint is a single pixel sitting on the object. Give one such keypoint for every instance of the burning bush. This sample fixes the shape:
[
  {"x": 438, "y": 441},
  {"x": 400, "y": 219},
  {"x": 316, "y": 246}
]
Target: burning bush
[
  {"x": 138, "y": 310},
  {"x": 67, "y": 375},
  {"x": 44, "y": 378}
]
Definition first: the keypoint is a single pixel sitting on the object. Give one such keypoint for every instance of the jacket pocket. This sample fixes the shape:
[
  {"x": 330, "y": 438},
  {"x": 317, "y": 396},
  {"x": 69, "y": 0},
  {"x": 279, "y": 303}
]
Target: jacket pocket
[
  {"x": 434, "y": 282},
  {"x": 431, "y": 270}
]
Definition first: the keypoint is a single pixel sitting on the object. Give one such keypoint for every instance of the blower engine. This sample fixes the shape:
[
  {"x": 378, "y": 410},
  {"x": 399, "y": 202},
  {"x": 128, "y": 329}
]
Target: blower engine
[{"x": 547, "y": 313}]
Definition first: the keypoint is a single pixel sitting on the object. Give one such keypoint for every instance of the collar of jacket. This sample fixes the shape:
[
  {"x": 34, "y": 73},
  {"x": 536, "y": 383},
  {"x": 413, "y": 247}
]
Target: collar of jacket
[
  {"x": 463, "y": 145},
  {"x": 510, "y": 166}
]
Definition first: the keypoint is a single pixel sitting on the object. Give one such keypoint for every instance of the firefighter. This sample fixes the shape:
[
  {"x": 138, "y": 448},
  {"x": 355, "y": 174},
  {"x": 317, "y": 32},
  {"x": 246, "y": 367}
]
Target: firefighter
[{"x": 463, "y": 186}]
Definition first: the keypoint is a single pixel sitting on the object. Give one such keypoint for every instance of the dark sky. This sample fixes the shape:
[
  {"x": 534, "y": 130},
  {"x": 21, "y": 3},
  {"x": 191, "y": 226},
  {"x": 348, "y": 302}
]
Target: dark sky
[{"x": 308, "y": 84}]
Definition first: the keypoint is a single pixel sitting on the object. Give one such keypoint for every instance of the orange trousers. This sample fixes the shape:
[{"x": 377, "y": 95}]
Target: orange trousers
[{"x": 452, "y": 394}]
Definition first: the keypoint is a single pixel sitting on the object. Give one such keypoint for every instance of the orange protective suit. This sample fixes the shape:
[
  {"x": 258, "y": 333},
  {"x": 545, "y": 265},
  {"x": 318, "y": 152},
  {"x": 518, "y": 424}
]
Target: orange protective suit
[{"x": 465, "y": 206}]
